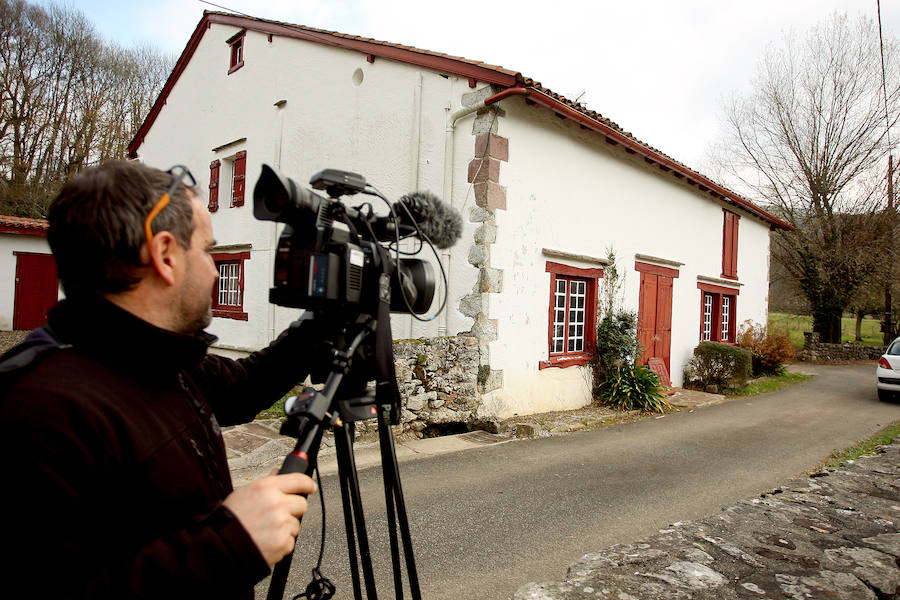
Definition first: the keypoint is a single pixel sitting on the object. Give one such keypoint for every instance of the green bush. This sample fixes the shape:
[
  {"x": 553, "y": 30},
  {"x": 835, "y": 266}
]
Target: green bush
[
  {"x": 718, "y": 364},
  {"x": 633, "y": 388},
  {"x": 770, "y": 350},
  {"x": 617, "y": 346}
]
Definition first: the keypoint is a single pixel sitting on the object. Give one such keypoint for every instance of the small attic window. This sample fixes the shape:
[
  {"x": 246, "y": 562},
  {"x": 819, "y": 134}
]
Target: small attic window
[{"x": 236, "y": 43}]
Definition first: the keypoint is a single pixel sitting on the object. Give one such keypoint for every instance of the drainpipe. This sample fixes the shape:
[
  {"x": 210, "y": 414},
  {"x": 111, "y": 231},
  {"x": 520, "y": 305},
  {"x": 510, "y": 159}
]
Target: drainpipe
[
  {"x": 448, "y": 170},
  {"x": 415, "y": 157},
  {"x": 273, "y": 229}
]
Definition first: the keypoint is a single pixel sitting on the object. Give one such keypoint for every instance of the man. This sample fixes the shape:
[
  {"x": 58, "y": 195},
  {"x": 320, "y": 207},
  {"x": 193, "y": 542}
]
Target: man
[{"x": 116, "y": 483}]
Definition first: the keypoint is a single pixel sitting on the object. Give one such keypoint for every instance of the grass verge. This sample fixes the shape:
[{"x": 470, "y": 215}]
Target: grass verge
[
  {"x": 866, "y": 447},
  {"x": 276, "y": 411},
  {"x": 769, "y": 384},
  {"x": 795, "y": 325}
]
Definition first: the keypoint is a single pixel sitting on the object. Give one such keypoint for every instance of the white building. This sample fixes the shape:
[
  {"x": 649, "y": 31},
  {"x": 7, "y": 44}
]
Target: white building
[{"x": 545, "y": 187}]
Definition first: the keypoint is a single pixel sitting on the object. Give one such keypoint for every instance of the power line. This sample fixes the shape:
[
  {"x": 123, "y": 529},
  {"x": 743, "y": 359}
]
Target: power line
[
  {"x": 237, "y": 12},
  {"x": 301, "y": 29},
  {"x": 883, "y": 78}
]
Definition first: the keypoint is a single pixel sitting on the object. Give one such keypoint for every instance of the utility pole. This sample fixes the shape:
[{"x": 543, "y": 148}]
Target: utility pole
[{"x": 887, "y": 325}]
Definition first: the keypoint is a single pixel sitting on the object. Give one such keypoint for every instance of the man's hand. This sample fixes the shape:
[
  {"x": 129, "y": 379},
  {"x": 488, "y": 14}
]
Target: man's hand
[{"x": 270, "y": 510}]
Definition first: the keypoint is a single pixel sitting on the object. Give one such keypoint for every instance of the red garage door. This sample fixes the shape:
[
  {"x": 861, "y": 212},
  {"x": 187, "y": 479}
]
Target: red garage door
[{"x": 36, "y": 289}]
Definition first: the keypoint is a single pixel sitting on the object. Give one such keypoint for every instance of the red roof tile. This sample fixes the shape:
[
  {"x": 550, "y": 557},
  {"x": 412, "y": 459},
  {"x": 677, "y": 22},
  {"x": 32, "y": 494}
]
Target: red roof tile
[{"x": 23, "y": 223}]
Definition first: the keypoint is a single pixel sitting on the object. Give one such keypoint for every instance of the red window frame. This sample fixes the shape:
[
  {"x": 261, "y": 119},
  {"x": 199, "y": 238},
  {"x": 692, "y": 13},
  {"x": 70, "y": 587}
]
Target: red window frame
[
  {"x": 235, "y": 309},
  {"x": 718, "y": 294},
  {"x": 730, "y": 244},
  {"x": 236, "y": 50},
  {"x": 561, "y": 272}
]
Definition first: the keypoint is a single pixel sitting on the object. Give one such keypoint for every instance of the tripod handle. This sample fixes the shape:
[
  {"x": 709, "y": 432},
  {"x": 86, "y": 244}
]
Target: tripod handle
[{"x": 296, "y": 462}]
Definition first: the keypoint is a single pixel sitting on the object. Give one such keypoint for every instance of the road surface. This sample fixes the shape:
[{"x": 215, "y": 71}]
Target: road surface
[{"x": 487, "y": 521}]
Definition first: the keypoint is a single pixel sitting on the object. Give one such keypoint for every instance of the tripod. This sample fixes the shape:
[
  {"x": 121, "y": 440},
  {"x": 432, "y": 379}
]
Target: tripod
[{"x": 308, "y": 416}]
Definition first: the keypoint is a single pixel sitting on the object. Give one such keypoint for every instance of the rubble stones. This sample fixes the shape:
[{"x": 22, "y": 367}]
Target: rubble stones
[
  {"x": 816, "y": 351},
  {"x": 486, "y": 234},
  {"x": 438, "y": 380},
  {"x": 473, "y": 304},
  {"x": 834, "y": 535},
  {"x": 479, "y": 255}
]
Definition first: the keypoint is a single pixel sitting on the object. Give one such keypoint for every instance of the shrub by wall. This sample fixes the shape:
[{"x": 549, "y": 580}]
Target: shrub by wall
[
  {"x": 770, "y": 350},
  {"x": 717, "y": 364},
  {"x": 633, "y": 388},
  {"x": 617, "y": 347}
]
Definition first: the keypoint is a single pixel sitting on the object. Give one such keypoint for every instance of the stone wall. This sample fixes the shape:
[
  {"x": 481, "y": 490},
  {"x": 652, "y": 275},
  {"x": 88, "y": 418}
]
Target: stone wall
[
  {"x": 438, "y": 379},
  {"x": 833, "y": 535},
  {"x": 816, "y": 351}
]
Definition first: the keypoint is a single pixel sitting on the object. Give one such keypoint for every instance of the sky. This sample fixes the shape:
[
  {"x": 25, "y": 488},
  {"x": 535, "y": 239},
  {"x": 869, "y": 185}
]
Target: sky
[{"x": 661, "y": 69}]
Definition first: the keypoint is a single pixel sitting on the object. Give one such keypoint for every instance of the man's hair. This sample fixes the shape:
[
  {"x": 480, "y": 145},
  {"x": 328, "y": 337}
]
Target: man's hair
[{"x": 97, "y": 225}]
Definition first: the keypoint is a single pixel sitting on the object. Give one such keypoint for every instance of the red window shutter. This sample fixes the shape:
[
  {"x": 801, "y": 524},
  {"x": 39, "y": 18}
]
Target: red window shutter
[
  {"x": 730, "y": 245},
  {"x": 240, "y": 168},
  {"x": 734, "y": 244},
  {"x": 214, "y": 186}
]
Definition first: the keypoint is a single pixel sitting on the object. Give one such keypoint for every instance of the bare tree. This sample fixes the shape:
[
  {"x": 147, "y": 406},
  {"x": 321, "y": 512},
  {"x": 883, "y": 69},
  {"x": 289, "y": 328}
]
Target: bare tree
[
  {"x": 67, "y": 99},
  {"x": 810, "y": 141}
]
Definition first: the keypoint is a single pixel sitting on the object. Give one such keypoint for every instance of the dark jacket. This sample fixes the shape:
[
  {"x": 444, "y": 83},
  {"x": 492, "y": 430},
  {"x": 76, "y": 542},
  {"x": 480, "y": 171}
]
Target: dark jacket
[{"x": 113, "y": 464}]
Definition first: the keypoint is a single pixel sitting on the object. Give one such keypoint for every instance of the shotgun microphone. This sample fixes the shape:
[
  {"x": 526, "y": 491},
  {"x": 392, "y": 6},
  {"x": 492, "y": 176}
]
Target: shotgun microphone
[{"x": 439, "y": 222}]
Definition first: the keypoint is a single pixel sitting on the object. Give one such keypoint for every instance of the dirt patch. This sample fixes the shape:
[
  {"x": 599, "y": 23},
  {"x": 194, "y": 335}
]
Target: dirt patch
[{"x": 8, "y": 339}]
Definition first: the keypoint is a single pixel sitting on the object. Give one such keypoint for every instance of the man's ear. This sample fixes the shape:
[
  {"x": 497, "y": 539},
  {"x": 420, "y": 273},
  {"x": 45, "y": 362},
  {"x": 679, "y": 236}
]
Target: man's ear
[{"x": 165, "y": 256}]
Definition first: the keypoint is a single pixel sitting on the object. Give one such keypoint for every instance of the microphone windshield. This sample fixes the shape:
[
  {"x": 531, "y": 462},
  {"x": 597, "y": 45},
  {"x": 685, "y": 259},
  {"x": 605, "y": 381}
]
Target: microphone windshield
[{"x": 441, "y": 223}]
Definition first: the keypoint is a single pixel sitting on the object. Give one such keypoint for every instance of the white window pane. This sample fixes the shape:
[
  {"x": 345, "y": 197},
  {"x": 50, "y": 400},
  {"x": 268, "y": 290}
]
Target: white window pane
[
  {"x": 726, "y": 316},
  {"x": 707, "y": 316},
  {"x": 229, "y": 291}
]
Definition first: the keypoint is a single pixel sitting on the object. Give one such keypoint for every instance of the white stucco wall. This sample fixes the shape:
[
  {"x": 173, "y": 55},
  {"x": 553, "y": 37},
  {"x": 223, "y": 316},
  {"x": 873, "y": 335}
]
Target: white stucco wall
[
  {"x": 568, "y": 190},
  {"x": 303, "y": 107},
  {"x": 384, "y": 120},
  {"x": 10, "y": 243}
]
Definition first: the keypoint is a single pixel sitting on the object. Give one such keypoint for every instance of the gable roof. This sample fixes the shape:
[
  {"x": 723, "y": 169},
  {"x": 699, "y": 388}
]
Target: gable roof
[
  {"x": 513, "y": 82},
  {"x": 23, "y": 226}
]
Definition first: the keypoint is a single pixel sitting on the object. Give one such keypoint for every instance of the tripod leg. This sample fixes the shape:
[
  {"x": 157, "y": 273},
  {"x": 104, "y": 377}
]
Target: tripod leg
[
  {"x": 384, "y": 434},
  {"x": 349, "y": 478},
  {"x": 392, "y": 476},
  {"x": 297, "y": 461},
  {"x": 342, "y": 447}
]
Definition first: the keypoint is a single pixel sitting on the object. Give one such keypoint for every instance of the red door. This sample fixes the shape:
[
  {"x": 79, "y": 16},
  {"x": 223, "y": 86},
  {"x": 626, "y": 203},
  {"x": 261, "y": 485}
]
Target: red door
[
  {"x": 36, "y": 289},
  {"x": 655, "y": 317},
  {"x": 647, "y": 314}
]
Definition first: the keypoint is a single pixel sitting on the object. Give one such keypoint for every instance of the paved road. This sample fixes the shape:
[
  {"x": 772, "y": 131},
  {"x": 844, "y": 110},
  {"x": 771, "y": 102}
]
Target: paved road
[{"x": 489, "y": 520}]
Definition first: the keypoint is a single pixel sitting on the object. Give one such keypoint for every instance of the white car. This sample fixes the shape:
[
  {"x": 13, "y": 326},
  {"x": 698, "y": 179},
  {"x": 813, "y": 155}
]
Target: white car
[{"x": 888, "y": 372}]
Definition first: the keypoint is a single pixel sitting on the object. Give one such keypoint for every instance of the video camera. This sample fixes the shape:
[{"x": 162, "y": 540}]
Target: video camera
[
  {"x": 334, "y": 259},
  {"x": 329, "y": 255}
]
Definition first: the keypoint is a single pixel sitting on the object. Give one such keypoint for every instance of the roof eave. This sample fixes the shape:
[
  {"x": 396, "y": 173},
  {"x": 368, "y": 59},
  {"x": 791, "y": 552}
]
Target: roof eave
[
  {"x": 177, "y": 70},
  {"x": 650, "y": 155}
]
